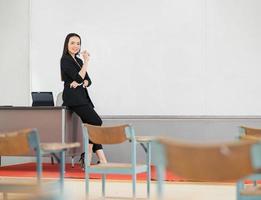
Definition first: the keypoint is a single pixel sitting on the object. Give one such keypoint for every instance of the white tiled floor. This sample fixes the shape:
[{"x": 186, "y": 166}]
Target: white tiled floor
[{"x": 74, "y": 190}]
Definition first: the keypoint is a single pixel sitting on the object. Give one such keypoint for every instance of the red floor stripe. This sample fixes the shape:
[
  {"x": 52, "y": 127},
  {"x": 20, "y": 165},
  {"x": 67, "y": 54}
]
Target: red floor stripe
[{"x": 52, "y": 171}]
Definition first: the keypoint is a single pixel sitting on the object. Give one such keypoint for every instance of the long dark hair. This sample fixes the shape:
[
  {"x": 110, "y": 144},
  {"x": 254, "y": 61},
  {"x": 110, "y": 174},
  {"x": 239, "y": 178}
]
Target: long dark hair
[{"x": 65, "y": 46}]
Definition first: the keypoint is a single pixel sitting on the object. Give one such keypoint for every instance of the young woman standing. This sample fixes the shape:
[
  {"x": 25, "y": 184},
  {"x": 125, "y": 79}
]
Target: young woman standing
[{"x": 75, "y": 94}]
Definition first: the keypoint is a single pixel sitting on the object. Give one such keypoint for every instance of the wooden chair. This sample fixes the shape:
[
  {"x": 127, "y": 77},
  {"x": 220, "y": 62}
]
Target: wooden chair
[
  {"x": 115, "y": 135},
  {"x": 248, "y": 133},
  {"x": 24, "y": 143},
  {"x": 210, "y": 162},
  {"x": 18, "y": 143}
]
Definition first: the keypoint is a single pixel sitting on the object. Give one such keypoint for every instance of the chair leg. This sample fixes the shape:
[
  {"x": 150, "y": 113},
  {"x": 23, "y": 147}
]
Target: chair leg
[
  {"x": 255, "y": 183},
  {"x": 134, "y": 185},
  {"x": 52, "y": 160},
  {"x": 39, "y": 167},
  {"x": 5, "y": 196},
  {"x": 103, "y": 184},
  {"x": 62, "y": 170},
  {"x": 72, "y": 161},
  {"x": 160, "y": 175},
  {"x": 148, "y": 159},
  {"x": 240, "y": 186},
  {"x": 86, "y": 183}
]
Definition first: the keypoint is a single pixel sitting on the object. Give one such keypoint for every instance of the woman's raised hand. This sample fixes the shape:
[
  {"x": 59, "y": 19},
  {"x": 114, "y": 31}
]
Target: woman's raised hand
[{"x": 85, "y": 55}]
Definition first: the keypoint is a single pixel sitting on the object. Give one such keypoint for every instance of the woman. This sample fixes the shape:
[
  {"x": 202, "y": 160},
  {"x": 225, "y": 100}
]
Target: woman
[{"x": 75, "y": 94}]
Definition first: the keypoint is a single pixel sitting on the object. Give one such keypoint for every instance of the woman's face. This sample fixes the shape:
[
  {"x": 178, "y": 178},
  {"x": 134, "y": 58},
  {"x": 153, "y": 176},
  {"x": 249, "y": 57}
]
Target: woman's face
[{"x": 74, "y": 45}]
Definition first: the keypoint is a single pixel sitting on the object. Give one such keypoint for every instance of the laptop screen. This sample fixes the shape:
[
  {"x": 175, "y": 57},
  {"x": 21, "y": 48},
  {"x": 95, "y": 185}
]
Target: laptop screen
[{"x": 42, "y": 99}]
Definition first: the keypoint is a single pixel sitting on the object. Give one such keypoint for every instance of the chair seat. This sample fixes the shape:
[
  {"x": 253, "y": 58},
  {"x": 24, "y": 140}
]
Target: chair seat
[
  {"x": 24, "y": 186},
  {"x": 251, "y": 190},
  {"x": 115, "y": 165},
  {"x": 53, "y": 147},
  {"x": 19, "y": 187},
  {"x": 117, "y": 168},
  {"x": 145, "y": 138},
  {"x": 250, "y": 137}
]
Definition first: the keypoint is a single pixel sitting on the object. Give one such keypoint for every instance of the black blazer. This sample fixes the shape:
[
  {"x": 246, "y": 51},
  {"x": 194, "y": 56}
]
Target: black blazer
[{"x": 70, "y": 72}]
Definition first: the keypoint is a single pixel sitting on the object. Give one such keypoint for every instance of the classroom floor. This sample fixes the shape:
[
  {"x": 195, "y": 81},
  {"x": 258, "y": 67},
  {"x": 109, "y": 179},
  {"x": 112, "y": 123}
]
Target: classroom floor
[{"x": 74, "y": 189}]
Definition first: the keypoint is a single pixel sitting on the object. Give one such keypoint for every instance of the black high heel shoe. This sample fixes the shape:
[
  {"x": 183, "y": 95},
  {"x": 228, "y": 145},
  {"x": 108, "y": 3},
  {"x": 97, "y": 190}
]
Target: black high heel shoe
[{"x": 82, "y": 160}]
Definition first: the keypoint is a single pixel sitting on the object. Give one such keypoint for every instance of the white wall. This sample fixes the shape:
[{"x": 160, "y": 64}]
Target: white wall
[
  {"x": 14, "y": 52},
  {"x": 165, "y": 57},
  {"x": 156, "y": 57},
  {"x": 232, "y": 62},
  {"x": 14, "y": 59}
]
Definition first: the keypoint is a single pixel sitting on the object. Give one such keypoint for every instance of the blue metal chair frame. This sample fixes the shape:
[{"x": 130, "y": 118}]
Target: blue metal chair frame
[
  {"x": 61, "y": 154},
  {"x": 133, "y": 170}
]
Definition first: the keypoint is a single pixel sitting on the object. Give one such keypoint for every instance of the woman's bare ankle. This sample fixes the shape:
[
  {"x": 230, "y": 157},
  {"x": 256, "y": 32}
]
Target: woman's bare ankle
[
  {"x": 101, "y": 156},
  {"x": 102, "y": 161}
]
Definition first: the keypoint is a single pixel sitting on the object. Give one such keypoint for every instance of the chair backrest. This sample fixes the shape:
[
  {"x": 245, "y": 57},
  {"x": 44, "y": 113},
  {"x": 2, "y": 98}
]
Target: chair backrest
[
  {"x": 19, "y": 142},
  {"x": 107, "y": 135},
  {"x": 212, "y": 162},
  {"x": 59, "y": 99},
  {"x": 251, "y": 131}
]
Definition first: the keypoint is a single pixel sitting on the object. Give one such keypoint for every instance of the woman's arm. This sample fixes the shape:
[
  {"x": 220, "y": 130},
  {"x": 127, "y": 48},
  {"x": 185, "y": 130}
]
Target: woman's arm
[
  {"x": 87, "y": 81},
  {"x": 67, "y": 66},
  {"x": 83, "y": 71},
  {"x": 86, "y": 58}
]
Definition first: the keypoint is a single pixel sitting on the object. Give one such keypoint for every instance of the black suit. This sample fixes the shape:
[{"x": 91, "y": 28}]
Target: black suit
[
  {"x": 70, "y": 72},
  {"x": 78, "y": 99}
]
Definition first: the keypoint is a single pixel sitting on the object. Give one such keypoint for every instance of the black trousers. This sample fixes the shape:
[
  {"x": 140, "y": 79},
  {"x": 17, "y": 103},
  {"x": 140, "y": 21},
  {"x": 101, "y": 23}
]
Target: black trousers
[{"x": 88, "y": 115}]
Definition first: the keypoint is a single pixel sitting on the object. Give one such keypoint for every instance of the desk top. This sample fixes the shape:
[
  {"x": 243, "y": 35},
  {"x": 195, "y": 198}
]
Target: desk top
[{"x": 32, "y": 107}]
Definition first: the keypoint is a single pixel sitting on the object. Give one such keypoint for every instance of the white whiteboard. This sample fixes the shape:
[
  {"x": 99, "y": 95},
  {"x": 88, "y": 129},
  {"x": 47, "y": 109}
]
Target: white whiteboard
[{"x": 156, "y": 57}]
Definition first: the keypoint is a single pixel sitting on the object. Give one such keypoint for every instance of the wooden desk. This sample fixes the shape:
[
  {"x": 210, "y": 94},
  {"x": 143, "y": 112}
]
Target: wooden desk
[{"x": 55, "y": 124}]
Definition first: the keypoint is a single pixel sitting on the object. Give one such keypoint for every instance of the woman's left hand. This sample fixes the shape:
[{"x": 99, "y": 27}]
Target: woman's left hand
[
  {"x": 85, "y": 83},
  {"x": 74, "y": 84}
]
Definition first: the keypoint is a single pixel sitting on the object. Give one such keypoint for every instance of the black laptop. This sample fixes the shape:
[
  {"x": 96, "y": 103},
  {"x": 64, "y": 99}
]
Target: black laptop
[{"x": 42, "y": 99}]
